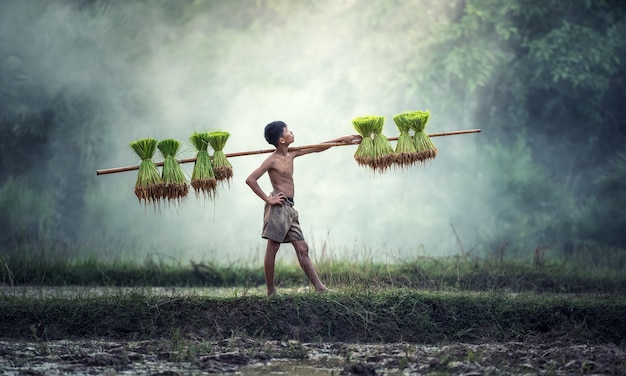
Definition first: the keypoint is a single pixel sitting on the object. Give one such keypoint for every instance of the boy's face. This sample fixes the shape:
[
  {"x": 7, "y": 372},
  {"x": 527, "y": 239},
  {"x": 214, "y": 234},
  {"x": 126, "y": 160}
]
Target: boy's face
[{"x": 287, "y": 137}]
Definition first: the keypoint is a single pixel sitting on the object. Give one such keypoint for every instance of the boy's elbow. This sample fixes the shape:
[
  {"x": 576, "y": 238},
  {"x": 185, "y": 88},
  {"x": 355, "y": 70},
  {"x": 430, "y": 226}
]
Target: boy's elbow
[{"x": 250, "y": 181}]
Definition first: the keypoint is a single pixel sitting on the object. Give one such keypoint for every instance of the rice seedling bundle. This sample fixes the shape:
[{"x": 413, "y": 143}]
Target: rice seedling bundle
[
  {"x": 406, "y": 154},
  {"x": 221, "y": 166},
  {"x": 175, "y": 184},
  {"x": 424, "y": 146},
  {"x": 365, "y": 125},
  {"x": 383, "y": 156},
  {"x": 149, "y": 183},
  {"x": 202, "y": 178}
]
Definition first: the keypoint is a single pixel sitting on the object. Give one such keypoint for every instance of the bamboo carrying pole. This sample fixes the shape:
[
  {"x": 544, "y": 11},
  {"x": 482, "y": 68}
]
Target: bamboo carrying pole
[{"x": 265, "y": 151}]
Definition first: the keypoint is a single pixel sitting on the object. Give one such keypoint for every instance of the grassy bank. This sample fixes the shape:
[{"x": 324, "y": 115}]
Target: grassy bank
[
  {"x": 365, "y": 316},
  {"x": 422, "y": 300},
  {"x": 441, "y": 274}
]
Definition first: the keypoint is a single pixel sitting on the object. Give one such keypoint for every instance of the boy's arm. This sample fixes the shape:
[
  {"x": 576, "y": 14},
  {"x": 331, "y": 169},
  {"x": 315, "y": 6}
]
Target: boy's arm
[
  {"x": 253, "y": 183},
  {"x": 345, "y": 139}
]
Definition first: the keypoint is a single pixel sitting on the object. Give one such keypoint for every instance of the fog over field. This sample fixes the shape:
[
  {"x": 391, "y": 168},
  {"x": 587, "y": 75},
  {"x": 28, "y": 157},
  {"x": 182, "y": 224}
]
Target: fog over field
[{"x": 315, "y": 71}]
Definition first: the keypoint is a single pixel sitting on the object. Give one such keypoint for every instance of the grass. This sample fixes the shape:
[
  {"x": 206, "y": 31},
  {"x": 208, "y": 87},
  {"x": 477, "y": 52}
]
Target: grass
[
  {"x": 49, "y": 264},
  {"x": 423, "y": 300},
  {"x": 395, "y": 315}
]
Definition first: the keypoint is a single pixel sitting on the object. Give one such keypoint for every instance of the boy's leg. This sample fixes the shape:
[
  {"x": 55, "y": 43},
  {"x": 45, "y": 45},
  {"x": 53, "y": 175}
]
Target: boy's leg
[
  {"x": 302, "y": 251},
  {"x": 270, "y": 259}
]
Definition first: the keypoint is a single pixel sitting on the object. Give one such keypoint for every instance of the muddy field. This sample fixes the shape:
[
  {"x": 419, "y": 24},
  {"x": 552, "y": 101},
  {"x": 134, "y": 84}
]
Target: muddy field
[
  {"x": 183, "y": 346},
  {"x": 251, "y": 357}
]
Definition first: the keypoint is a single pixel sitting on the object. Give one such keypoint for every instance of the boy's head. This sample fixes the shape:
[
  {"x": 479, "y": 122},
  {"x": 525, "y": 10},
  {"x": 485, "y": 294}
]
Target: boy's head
[{"x": 274, "y": 131}]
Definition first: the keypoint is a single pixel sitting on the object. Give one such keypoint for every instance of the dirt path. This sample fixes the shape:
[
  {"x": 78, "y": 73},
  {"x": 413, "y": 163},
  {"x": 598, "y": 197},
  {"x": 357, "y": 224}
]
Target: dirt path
[{"x": 251, "y": 357}]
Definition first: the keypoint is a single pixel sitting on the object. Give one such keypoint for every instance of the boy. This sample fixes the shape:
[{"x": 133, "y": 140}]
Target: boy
[{"x": 280, "y": 219}]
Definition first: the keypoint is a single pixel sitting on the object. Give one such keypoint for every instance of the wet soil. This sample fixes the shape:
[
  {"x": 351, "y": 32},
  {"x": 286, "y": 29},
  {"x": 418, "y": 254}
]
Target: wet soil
[
  {"x": 181, "y": 346},
  {"x": 252, "y": 357}
]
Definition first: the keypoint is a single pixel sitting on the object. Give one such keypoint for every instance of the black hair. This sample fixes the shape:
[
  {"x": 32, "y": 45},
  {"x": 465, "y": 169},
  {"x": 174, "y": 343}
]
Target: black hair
[{"x": 274, "y": 131}]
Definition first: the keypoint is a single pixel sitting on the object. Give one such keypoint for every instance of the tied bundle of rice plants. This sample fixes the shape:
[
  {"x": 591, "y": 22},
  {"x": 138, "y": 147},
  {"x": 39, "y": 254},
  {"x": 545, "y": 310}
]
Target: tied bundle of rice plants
[
  {"x": 175, "y": 184},
  {"x": 221, "y": 166},
  {"x": 383, "y": 156},
  {"x": 406, "y": 154},
  {"x": 423, "y": 144},
  {"x": 365, "y": 125},
  {"x": 203, "y": 177},
  {"x": 424, "y": 147},
  {"x": 149, "y": 183}
]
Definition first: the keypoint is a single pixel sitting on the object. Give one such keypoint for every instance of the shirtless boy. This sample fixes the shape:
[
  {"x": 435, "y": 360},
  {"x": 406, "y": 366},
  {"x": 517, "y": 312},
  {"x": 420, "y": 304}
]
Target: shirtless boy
[{"x": 280, "y": 219}]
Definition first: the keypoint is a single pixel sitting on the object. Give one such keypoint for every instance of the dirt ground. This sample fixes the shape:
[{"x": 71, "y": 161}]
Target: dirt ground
[{"x": 251, "y": 357}]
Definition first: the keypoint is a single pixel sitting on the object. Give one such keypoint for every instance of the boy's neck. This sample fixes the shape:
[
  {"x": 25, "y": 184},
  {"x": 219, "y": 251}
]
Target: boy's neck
[{"x": 283, "y": 149}]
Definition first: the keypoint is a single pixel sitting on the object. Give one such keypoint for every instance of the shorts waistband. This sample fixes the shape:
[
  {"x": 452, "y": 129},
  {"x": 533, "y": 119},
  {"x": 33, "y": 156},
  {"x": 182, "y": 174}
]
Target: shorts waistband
[{"x": 289, "y": 200}]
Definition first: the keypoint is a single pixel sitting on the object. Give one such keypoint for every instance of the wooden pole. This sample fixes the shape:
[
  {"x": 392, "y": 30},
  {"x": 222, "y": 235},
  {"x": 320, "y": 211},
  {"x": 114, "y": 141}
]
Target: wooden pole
[{"x": 265, "y": 151}]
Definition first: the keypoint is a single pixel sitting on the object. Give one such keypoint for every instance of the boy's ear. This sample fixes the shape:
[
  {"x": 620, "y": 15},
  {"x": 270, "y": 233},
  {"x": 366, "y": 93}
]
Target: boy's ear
[{"x": 281, "y": 140}]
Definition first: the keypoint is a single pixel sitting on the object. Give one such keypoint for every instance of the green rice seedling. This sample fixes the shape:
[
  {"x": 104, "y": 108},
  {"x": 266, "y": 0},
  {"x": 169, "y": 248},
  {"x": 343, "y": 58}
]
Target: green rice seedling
[
  {"x": 149, "y": 184},
  {"x": 383, "y": 157},
  {"x": 175, "y": 184},
  {"x": 365, "y": 125},
  {"x": 203, "y": 177},
  {"x": 405, "y": 153},
  {"x": 423, "y": 144},
  {"x": 221, "y": 166}
]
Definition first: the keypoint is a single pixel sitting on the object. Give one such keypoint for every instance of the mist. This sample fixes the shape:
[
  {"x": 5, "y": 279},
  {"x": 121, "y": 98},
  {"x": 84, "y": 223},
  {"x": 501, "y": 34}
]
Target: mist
[{"x": 315, "y": 70}]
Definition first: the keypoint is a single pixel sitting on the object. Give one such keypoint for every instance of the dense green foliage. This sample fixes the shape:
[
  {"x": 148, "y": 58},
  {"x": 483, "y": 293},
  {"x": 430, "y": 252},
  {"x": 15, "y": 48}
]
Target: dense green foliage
[{"x": 545, "y": 80}]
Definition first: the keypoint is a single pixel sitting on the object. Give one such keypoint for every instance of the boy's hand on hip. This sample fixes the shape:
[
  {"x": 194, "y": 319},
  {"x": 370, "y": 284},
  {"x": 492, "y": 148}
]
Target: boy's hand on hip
[{"x": 278, "y": 199}]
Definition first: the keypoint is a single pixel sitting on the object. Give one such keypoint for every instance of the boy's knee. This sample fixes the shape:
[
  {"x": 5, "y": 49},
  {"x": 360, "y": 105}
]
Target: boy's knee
[
  {"x": 272, "y": 245},
  {"x": 301, "y": 248}
]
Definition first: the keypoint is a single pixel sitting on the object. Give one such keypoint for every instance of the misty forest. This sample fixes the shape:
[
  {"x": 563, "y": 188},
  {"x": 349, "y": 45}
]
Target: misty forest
[
  {"x": 543, "y": 80},
  {"x": 535, "y": 201}
]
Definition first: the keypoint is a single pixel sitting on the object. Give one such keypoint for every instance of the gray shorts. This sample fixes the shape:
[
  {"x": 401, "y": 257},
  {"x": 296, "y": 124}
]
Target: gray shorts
[{"x": 280, "y": 223}]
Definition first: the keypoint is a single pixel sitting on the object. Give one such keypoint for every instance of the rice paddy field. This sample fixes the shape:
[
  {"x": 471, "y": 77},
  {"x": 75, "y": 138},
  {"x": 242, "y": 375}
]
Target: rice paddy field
[{"x": 456, "y": 315}]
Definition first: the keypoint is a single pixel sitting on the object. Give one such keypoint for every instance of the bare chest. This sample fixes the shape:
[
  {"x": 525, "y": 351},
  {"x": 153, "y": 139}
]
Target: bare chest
[{"x": 283, "y": 168}]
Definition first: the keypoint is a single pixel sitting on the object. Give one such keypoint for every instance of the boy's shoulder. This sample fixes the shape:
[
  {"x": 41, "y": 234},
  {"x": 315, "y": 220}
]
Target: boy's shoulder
[{"x": 271, "y": 158}]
